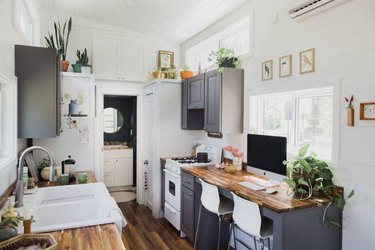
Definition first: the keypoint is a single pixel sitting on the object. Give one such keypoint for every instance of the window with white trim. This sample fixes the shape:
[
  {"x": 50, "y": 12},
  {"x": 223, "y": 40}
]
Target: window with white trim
[
  {"x": 236, "y": 37},
  {"x": 304, "y": 117},
  {"x": 26, "y": 21}
]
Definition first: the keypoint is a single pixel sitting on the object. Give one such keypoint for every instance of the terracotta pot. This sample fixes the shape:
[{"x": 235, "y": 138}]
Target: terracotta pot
[
  {"x": 350, "y": 117},
  {"x": 64, "y": 65},
  {"x": 186, "y": 74}
]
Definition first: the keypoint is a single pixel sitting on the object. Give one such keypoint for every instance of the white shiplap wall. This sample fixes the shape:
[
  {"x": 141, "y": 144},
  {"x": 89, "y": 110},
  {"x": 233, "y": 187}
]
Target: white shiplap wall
[{"x": 344, "y": 40}]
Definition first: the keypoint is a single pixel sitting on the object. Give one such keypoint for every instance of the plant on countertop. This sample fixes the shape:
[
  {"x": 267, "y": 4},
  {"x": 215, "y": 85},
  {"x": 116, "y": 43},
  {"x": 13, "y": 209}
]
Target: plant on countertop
[
  {"x": 60, "y": 40},
  {"x": 308, "y": 174},
  {"x": 43, "y": 164},
  {"x": 8, "y": 224},
  {"x": 185, "y": 73},
  {"x": 224, "y": 58}
]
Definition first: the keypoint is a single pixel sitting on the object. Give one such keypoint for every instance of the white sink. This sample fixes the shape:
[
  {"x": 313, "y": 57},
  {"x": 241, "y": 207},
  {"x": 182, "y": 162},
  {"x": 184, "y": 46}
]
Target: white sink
[
  {"x": 63, "y": 207},
  {"x": 61, "y": 194}
]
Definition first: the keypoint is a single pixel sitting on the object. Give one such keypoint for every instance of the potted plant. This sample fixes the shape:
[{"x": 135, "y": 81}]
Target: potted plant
[
  {"x": 350, "y": 111},
  {"x": 60, "y": 41},
  {"x": 83, "y": 61},
  {"x": 308, "y": 176},
  {"x": 224, "y": 58},
  {"x": 9, "y": 223},
  {"x": 186, "y": 73}
]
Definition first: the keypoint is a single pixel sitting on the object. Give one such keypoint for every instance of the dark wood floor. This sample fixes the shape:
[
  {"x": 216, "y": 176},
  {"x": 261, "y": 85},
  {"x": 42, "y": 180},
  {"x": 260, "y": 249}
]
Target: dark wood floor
[{"x": 145, "y": 232}]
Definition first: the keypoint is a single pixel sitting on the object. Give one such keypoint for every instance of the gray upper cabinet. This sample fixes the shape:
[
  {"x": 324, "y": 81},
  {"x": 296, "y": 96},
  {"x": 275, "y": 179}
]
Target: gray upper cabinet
[
  {"x": 196, "y": 92},
  {"x": 191, "y": 119},
  {"x": 223, "y": 104},
  {"x": 38, "y": 73}
]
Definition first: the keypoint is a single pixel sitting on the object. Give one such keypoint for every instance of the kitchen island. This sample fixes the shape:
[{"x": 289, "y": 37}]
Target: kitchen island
[
  {"x": 95, "y": 237},
  {"x": 296, "y": 224}
]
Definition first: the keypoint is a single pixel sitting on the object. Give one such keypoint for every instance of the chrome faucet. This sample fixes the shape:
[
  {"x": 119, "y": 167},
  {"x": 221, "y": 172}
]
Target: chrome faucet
[{"x": 19, "y": 186}]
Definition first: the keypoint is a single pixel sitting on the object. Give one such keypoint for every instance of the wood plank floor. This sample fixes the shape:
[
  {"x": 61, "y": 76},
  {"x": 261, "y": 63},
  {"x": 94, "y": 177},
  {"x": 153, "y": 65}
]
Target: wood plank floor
[{"x": 145, "y": 232}]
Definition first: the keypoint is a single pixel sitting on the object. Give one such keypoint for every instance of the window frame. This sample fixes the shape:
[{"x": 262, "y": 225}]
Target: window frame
[
  {"x": 28, "y": 9},
  {"x": 311, "y": 88}
]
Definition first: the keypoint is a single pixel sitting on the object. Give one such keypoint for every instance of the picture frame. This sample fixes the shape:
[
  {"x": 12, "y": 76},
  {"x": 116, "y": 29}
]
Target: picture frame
[
  {"x": 165, "y": 59},
  {"x": 285, "y": 66},
  {"x": 367, "y": 111},
  {"x": 267, "y": 70},
  {"x": 307, "y": 61}
]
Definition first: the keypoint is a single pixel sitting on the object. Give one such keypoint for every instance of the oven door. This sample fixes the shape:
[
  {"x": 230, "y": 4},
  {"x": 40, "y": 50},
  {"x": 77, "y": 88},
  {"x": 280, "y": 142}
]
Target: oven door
[{"x": 172, "y": 189}]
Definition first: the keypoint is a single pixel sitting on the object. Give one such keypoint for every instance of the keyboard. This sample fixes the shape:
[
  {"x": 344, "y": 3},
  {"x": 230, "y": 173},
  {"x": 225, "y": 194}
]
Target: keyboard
[
  {"x": 252, "y": 186},
  {"x": 267, "y": 184}
]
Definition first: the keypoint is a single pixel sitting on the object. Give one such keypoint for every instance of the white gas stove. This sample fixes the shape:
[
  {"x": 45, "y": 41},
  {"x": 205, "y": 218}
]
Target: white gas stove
[{"x": 172, "y": 185}]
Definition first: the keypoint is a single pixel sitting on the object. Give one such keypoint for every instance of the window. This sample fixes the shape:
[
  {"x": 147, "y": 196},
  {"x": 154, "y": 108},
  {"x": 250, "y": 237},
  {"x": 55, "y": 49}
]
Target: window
[
  {"x": 26, "y": 21},
  {"x": 236, "y": 37},
  {"x": 304, "y": 117}
]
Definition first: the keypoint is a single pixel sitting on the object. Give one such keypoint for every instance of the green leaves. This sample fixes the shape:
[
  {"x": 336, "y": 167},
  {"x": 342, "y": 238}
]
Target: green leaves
[
  {"x": 59, "y": 41},
  {"x": 302, "y": 152},
  {"x": 291, "y": 183},
  {"x": 351, "y": 194},
  {"x": 326, "y": 174}
]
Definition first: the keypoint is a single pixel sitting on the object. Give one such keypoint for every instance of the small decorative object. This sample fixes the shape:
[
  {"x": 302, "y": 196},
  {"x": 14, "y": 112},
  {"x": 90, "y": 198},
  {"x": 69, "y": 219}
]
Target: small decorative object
[
  {"x": 82, "y": 63},
  {"x": 367, "y": 111},
  {"x": 350, "y": 111},
  {"x": 186, "y": 73},
  {"x": 267, "y": 70},
  {"x": 234, "y": 153},
  {"x": 285, "y": 66},
  {"x": 308, "y": 175},
  {"x": 73, "y": 107},
  {"x": 31, "y": 183},
  {"x": 170, "y": 73},
  {"x": 82, "y": 178},
  {"x": 224, "y": 58},
  {"x": 60, "y": 41},
  {"x": 229, "y": 168},
  {"x": 30, "y": 241},
  {"x": 307, "y": 61},
  {"x": 9, "y": 223},
  {"x": 165, "y": 59},
  {"x": 64, "y": 179}
]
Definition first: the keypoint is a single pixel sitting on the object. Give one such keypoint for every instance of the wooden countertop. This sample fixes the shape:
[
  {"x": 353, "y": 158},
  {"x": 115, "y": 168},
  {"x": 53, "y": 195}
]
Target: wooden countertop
[
  {"x": 88, "y": 238},
  {"x": 279, "y": 202}
]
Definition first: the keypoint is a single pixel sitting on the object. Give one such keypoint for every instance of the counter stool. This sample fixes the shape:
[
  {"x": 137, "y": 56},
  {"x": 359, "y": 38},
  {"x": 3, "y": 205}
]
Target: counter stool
[
  {"x": 212, "y": 201},
  {"x": 247, "y": 218}
]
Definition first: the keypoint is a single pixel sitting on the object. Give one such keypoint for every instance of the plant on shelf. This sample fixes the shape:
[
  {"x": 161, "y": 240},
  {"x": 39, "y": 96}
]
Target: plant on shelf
[
  {"x": 83, "y": 61},
  {"x": 60, "y": 41},
  {"x": 224, "y": 58},
  {"x": 185, "y": 73},
  {"x": 350, "y": 110},
  {"x": 308, "y": 175}
]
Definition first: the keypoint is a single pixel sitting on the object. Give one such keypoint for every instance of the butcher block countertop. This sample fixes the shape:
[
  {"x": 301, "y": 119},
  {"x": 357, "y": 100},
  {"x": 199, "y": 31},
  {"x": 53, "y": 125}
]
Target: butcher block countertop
[
  {"x": 98, "y": 237},
  {"x": 279, "y": 202}
]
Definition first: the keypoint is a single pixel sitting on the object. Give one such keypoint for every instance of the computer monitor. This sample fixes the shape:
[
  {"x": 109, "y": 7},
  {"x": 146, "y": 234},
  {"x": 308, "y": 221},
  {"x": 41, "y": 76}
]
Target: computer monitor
[{"x": 265, "y": 155}]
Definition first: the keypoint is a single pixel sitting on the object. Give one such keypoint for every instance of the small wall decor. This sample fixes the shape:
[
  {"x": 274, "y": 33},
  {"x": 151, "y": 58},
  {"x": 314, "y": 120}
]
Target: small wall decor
[
  {"x": 367, "y": 111},
  {"x": 285, "y": 66},
  {"x": 307, "y": 61},
  {"x": 267, "y": 70},
  {"x": 350, "y": 111},
  {"x": 165, "y": 59}
]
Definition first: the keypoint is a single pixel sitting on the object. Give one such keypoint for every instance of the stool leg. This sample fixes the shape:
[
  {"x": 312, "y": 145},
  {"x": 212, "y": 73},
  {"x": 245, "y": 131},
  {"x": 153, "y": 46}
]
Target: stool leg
[
  {"x": 255, "y": 243},
  {"x": 261, "y": 244},
  {"x": 230, "y": 234},
  {"x": 196, "y": 233},
  {"x": 219, "y": 233},
  {"x": 234, "y": 236}
]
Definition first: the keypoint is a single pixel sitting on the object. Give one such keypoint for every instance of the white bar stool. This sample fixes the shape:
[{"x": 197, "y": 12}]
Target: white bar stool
[
  {"x": 247, "y": 218},
  {"x": 212, "y": 201}
]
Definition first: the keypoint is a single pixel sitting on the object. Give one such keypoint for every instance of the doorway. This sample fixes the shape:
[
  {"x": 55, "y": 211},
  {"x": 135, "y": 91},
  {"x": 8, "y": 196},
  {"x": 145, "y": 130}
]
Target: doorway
[{"x": 120, "y": 146}]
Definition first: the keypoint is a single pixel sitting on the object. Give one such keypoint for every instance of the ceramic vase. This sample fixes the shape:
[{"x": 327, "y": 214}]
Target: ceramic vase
[{"x": 350, "y": 117}]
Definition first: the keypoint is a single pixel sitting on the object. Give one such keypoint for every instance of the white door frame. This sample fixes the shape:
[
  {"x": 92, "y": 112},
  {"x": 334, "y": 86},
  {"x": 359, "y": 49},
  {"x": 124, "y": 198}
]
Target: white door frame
[{"x": 119, "y": 89}]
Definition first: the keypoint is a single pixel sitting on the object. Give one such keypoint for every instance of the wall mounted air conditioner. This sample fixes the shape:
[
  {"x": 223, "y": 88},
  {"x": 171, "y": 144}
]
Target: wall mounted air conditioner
[{"x": 302, "y": 9}]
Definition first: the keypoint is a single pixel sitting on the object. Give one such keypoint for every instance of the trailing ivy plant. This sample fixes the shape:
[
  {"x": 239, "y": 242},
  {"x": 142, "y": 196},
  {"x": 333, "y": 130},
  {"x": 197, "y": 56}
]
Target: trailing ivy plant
[
  {"x": 224, "y": 58},
  {"x": 308, "y": 175}
]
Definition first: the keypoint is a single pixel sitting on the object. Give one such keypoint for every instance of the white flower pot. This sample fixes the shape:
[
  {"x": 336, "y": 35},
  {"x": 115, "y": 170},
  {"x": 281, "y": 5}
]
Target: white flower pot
[{"x": 85, "y": 70}]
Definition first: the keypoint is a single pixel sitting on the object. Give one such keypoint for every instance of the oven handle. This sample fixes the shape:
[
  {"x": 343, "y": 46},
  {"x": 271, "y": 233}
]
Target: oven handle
[{"x": 171, "y": 173}]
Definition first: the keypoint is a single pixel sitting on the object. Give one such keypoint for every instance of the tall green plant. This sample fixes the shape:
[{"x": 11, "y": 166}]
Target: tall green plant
[
  {"x": 60, "y": 39},
  {"x": 82, "y": 57}
]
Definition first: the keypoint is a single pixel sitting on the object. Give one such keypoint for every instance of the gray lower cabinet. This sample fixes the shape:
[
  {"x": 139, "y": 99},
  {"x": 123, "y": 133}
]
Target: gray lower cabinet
[{"x": 187, "y": 205}]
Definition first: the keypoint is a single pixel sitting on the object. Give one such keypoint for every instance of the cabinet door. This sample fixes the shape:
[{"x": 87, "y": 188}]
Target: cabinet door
[
  {"x": 132, "y": 61},
  {"x": 212, "y": 104},
  {"x": 109, "y": 179},
  {"x": 106, "y": 56},
  {"x": 187, "y": 212},
  {"x": 124, "y": 171},
  {"x": 109, "y": 165},
  {"x": 196, "y": 92},
  {"x": 184, "y": 104}
]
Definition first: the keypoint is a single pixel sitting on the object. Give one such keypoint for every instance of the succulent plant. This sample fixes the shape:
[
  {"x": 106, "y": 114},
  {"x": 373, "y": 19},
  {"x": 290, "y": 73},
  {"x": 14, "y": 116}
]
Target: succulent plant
[{"x": 82, "y": 57}]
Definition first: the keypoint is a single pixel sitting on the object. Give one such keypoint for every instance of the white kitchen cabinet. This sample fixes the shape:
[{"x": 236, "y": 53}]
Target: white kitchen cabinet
[
  {"x": 118, "y": 58},
  {"x": 118, "y": 167}
]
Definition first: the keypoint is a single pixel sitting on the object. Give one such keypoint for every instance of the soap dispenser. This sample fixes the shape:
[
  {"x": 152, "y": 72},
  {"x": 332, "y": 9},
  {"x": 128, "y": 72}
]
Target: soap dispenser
[{"x": 67, "y": 166}]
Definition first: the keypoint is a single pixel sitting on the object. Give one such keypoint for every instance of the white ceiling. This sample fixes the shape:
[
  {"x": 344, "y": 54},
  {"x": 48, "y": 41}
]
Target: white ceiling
[{"x": 173, "y": 20}]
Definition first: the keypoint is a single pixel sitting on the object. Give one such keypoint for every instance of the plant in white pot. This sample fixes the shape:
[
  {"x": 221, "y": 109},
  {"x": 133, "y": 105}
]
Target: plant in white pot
[{"x": 82, "y": 64}]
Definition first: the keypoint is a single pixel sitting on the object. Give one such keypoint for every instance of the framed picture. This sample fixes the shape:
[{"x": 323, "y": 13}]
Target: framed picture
[
  {"x": 285, "y": 66},
  {"x": 307, "y": 61},
  {"x": 165, "y": 59},
  {"x": 267, "y": 70},
  {"x": 367, "y": 111}
]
